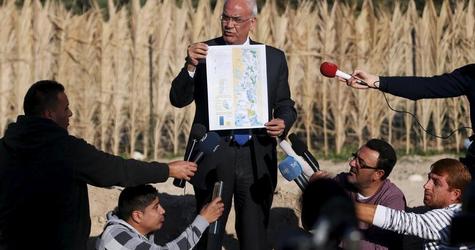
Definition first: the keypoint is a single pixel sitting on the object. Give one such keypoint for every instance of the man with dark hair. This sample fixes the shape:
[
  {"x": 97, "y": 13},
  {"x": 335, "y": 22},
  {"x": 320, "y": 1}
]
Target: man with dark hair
[
  {"x": 139, "y": 214},
  {"x": 367, "y": 182},
  {"x": 442, "y": 193},
  {"x": 44, "y": 173}
]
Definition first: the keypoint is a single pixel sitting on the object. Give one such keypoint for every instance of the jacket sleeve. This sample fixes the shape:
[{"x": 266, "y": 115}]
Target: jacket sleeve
[
  {"x": 101, "y": 169},
  {"x": 190, "y": 237},
  {"x": 284, "y": 105},
  {"x": 182, "y": 90},
  {"x": 432, "y": 225},
  {"x": 457, "y": 83}
]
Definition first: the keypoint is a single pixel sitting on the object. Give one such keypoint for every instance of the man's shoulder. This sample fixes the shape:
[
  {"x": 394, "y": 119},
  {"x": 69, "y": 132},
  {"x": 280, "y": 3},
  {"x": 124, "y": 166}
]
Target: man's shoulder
[
  {"x": 215, "y": 41},
  {"x": 116, "y": 234},
  {"x": 270, "y": 49},
  {"x": 392, "y": 188}
]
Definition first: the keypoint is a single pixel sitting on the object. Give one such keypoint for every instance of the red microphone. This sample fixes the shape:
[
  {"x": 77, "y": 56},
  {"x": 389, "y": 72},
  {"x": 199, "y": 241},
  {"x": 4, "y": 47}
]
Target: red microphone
[{"x": 331, "y": 70}]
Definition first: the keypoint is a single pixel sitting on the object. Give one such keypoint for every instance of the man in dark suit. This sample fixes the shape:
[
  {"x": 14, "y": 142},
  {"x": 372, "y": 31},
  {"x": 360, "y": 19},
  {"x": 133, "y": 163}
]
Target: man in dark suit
[{"x": 248, "y": 171}]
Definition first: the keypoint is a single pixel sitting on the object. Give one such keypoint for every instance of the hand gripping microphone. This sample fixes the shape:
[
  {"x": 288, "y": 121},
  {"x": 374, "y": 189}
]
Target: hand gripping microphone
[
  {"x": 292, "y": 171},
  {"x": 301, "y": 149},
  {"x": 331, "y": 70},
  {"x": 287, "y": 148}
]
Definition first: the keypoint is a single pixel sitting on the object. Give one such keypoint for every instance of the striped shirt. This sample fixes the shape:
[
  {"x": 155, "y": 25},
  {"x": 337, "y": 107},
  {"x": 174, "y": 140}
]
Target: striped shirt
[
  {"x": 119, "y": 235},
  {"x": 432, "y": 226}
]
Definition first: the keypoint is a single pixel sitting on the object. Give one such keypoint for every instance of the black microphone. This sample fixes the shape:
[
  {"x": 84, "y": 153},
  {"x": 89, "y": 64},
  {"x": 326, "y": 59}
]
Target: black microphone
[
  {"x": 207, "y": 145},
  {"x": 329, "y": 212},
  {"x": 197, "y": 132},
  {"x": 337, "y": 225},
  {"x": 301, "y": 149}
]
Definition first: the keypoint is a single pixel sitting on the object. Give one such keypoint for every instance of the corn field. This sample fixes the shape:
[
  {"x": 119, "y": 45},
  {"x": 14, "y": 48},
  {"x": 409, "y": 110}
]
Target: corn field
[{"x": 117, "y": 69}]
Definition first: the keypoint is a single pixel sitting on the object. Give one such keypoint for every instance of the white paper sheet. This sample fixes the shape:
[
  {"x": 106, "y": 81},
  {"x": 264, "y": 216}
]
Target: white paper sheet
[{"x": 237, "y": 87}]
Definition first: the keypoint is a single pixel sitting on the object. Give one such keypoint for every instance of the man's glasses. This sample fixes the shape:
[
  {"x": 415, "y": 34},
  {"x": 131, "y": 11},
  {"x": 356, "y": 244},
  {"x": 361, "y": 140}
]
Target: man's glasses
[
  {"x": 359, "y": 163},
  {"x": 235, "y": 19}
]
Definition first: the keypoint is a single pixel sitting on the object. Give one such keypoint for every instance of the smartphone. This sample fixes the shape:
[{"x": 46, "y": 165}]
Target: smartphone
[{"x": 217, "y": 190}]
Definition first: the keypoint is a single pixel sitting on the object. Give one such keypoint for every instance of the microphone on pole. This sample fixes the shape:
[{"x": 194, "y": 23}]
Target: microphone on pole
[
  {"x": 301, "y": 149},
  {"x": 331, "y": 70}
]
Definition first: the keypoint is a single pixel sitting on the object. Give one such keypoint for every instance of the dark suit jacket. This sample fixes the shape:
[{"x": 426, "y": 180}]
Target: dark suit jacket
[
  {"x": 185, "y": 90},
  {"x": 459, "y": 82}
]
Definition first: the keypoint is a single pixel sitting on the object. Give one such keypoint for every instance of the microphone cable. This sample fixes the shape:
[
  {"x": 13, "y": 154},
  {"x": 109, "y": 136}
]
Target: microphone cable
[{"x": 417, "y": 120}]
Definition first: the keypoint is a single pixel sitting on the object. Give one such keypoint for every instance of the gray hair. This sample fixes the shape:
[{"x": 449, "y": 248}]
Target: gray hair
[{"x": 251, "y": 4}]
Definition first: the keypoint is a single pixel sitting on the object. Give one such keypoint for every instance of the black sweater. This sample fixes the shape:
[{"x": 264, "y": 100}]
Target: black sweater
[
  {"x": 460, "y": 82},
  {"x": 44, "y": 174}
]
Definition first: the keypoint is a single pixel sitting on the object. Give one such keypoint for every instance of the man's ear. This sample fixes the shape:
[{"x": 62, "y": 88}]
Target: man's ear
[
  {"x": 456, "y": 195},
  {"x": 136, "y": 216},
  {"x": 253, "y": 24},
  {"x": 379, "y": 173},
  {"x": 47, "y": 114}
]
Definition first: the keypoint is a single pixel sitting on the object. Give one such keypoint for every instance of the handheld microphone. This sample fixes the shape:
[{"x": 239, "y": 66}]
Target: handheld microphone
[
  {"x": 197, "y": 132},
  {"x": 329, "y": 213},
  {"x": 301, "y": 149},
  {"x": 287, "y": 148},
  {"x": 292, "y": 171},
  {"x": 331, "y": 70},
  {"x": 207, "y": 145}
]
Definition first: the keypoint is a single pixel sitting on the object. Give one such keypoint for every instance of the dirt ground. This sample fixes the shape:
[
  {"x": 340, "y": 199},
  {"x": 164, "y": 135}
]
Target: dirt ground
[{"x": 409, "y": 175}]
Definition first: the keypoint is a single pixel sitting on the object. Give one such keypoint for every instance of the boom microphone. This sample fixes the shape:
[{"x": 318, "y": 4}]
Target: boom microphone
[
  {"x": 292, "y": 171},
  {"x": 197, "y": 132},
  {"x": 301, "y": 149},
  {"x": 331, "y": 70}
]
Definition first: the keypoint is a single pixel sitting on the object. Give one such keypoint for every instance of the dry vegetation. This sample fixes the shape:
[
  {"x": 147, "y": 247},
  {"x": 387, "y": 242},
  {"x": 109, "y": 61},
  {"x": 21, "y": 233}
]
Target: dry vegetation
[{"x": 118, "y": 70}]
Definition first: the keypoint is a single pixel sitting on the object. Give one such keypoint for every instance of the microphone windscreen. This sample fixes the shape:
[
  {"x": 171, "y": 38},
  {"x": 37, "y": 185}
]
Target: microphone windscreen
[
  {"x": 298, "y": 145},
  {"x": 290, "y": 168},
  {"x": 328, "y": 69},
  {"x": 317, "y": 196},
  {"x": 209, "y": 142},
  {"x": 197, "y": 131}
]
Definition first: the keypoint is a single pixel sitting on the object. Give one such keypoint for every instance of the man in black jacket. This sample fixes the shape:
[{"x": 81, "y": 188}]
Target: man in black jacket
[
  {"x": 44, "y": 173},
  {"x": 247, "y": 168},
  {"x": 459, "y": 82}
]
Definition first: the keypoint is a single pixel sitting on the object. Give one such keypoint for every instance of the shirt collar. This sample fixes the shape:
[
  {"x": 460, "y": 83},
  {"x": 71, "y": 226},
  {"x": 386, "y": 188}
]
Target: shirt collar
[{"x": 247, "y": 42}]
